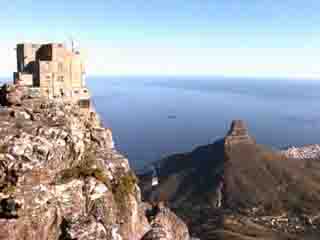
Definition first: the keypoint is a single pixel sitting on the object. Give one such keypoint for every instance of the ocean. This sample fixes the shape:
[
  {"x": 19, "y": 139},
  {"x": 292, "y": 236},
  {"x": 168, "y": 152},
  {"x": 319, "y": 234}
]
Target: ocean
[{"x": 152, "y": 117}]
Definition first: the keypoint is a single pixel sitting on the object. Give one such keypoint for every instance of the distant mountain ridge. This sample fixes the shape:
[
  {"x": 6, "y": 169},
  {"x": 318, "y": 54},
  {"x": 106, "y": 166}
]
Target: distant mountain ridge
[{"x": 217, "y": 186}]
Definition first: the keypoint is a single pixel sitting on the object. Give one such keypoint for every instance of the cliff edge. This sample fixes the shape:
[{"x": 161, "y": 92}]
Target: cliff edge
[{"x": 61, "y": 177}]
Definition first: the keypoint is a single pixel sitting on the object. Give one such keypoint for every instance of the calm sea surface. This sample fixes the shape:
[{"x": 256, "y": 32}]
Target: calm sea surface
[{"x": 153, "y": 117}]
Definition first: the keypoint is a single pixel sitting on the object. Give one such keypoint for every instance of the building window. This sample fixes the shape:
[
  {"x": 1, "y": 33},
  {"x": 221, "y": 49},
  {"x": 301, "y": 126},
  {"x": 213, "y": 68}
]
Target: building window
[
  {"x": 60, "y": 45},
  {"x": 60, "y": 79}
]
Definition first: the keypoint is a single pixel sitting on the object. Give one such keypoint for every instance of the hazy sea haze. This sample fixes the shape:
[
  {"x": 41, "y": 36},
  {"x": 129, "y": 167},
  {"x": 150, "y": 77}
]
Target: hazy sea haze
[{"x": 152, "y": 117}]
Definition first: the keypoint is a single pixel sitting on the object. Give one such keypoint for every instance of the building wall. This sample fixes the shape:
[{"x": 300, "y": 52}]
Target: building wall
[
  {"x": 59, "y": 52},
  {"x": 56, "y": 70},
  {"x": 77, "y": 70},
  {"x": 48, "y": 78},
  {"x": 24, "y": 79},
  {"x": 26, "y": 57},
  {"x": 45, "y": 73}
]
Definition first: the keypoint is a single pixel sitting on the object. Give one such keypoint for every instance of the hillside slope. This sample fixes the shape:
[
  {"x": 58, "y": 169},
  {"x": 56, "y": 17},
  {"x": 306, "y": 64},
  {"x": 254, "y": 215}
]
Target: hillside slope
[{"x": 237, "y": 189}]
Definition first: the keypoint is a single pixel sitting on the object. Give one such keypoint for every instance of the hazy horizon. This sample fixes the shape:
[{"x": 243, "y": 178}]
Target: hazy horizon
[
  {"x": 278, "y": 113},
  {"x": 186, "y": 77},
  {"x": 234, "y": 39}
]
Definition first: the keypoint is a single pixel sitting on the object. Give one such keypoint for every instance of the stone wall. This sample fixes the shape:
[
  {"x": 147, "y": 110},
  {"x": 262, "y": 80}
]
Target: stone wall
[{"x": 55, "y": 69}]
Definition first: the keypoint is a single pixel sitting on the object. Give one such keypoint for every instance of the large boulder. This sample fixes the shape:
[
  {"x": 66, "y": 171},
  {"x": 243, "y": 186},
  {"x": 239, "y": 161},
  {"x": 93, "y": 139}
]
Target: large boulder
[{"x": 165, "y": 225}]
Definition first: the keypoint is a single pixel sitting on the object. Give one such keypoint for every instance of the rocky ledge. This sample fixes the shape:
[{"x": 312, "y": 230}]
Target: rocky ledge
[{"x": 62, "y": 178}]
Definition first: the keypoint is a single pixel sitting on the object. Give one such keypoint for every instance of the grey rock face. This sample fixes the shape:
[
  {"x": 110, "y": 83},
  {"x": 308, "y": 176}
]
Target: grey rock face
[
  {"x": 165, "y": 225},
  {"x": 62, "y": 178}
]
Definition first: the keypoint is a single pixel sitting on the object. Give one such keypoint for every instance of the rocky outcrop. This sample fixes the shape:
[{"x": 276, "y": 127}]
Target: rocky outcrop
[
  {"x": 237, "y": 189},
  {"x": 11, "y": 95},
  {"x": 238, "y": 133},
  {"x": 165, "y": 225},
  {"x": 61, "y": 177}
]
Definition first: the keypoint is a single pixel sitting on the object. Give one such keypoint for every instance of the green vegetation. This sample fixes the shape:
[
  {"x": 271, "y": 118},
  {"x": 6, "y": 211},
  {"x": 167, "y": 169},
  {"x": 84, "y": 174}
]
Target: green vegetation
[
  {"x": 89, "y": 159},
  {"x": 87, "y": 167},
  {"x": 124, "y": 187},
  {"x": 4, "y": 148},
  {"x": 8, "y": 182},
  {"x": 81, "y": 172},
  {"x": 121, "y": 188},
  {"x": 296, "y": 203},
  {"x": 8, "y": 189}
]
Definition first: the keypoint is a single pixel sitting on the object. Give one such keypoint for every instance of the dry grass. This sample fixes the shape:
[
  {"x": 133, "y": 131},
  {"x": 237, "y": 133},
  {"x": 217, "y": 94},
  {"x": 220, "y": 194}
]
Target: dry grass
[{"x": 256, "y": 176}]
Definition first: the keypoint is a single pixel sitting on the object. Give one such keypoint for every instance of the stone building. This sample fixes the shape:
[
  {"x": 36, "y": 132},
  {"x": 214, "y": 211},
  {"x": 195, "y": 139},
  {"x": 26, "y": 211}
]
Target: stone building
[
  {"x": 26, "y": 59},
  {"x": 54, "y": 69}
]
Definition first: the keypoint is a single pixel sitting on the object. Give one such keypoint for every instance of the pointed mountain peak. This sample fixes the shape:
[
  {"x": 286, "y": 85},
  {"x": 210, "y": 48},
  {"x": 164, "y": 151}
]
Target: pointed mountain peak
[{"x": 238, "y": 133}]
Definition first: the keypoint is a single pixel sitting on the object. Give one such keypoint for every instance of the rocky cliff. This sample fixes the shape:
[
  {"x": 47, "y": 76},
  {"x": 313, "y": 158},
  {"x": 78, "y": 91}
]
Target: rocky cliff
[
  {"x": 61, "y": 177},
  {"x": 235, "y": 188},
  {"x": 238, "y": 134}
]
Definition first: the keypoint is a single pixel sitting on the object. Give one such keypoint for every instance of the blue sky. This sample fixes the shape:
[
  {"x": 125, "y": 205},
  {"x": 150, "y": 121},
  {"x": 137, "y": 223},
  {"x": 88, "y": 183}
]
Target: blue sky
[{"x": 265, "y": 38}]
